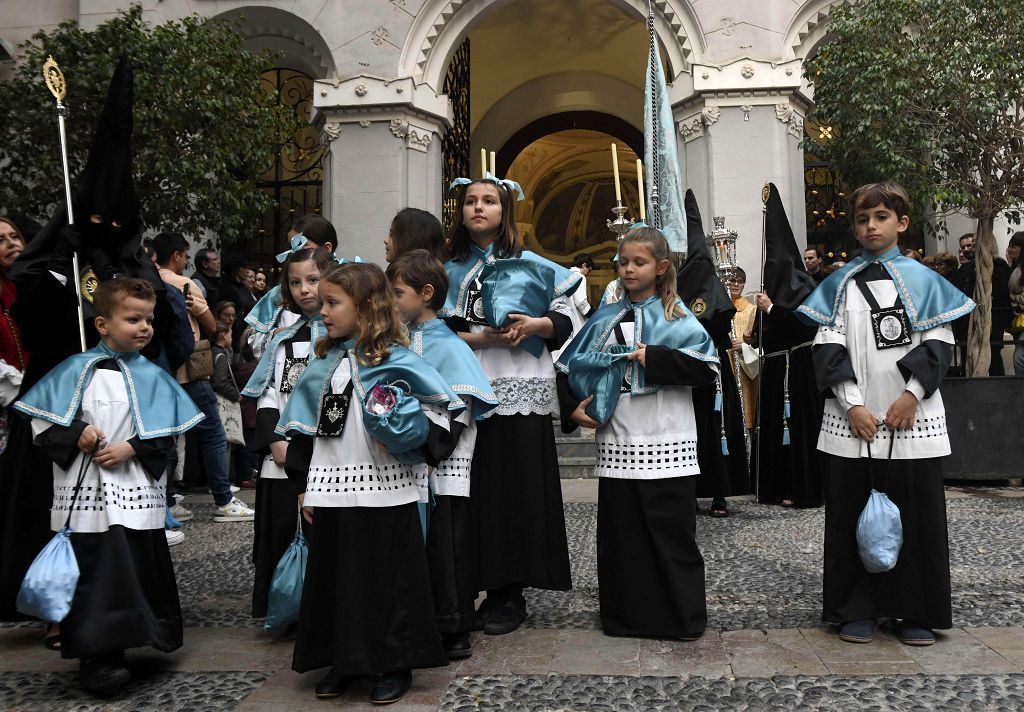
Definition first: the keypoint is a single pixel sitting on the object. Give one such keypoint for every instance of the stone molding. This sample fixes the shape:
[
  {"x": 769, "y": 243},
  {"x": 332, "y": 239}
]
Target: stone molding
[
  {"x": 370, "y": 98},
  {"x": 793, "y": 120}
]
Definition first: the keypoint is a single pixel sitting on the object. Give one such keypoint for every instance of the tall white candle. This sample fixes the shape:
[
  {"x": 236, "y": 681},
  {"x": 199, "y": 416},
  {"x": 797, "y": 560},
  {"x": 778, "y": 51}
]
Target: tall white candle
[
  {"x": 615, "y": 170},
  {"x": 483, "y": 162},
  {"x": 494, "y": 170},
  {"x": 640, "y": 188}
]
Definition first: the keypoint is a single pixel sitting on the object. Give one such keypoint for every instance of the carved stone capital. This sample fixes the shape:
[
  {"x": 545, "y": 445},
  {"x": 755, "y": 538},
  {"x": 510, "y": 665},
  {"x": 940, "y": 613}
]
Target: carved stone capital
[
  {"x": 794, "y": 122},
  {"x": 418, "y": 138}
]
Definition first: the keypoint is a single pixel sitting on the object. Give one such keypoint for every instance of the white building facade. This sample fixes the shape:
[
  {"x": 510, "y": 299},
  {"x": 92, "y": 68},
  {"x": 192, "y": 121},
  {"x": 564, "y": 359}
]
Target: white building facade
[{"x": 402, "y": 103}]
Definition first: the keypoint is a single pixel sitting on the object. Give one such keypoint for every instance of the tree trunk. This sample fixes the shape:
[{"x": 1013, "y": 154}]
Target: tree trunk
[{"x": 979, "y": 346}]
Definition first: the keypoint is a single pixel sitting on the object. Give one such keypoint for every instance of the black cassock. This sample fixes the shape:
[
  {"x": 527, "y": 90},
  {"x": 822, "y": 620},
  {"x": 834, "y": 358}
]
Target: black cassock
[
  {"x": 720, "y": 475},
  {"x": 788, "y": 471}
]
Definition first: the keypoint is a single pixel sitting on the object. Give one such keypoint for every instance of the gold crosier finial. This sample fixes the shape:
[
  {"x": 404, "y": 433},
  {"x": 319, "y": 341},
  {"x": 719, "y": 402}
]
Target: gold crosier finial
[
  {"x": 766, "y": 192},
  {"x": 54, "y": 79}
]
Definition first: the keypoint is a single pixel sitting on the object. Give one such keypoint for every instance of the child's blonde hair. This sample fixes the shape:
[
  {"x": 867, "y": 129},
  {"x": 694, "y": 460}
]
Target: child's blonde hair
[
  {"x": 379, "y": 323},
  {"x": 665, "y": 286}
]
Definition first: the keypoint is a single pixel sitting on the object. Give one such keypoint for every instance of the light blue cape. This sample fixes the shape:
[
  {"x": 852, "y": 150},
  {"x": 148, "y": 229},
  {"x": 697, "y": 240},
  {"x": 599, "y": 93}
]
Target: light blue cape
[
  {"x": 303, "y": 410},
  {"x": 260, "y": 378},
  {"x": 930, "y": 299},
  {"x": 684, "y": 333},
  {"x": 158, "y": 404},
  {"x": 264, "y": 315},
  {"x": 461, "y": 276},
  {"x": 454, "y": 360}
]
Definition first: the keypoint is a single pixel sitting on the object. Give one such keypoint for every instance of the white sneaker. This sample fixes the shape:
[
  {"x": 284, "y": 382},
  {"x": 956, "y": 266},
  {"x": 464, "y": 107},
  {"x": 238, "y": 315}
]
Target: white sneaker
[
  {"x": 180, "y": 513},
  {"x": 234, "y": 489},
  {"x": 174, "y": 536},
  {"x": 234, "y": 511}
]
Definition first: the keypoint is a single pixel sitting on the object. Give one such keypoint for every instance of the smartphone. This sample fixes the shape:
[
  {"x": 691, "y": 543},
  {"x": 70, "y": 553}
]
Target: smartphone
[{"x": 187, "y": 285}]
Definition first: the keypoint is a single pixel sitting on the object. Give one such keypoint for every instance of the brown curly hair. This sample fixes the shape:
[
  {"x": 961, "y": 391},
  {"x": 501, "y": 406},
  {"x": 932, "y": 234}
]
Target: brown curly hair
[{"x": 380, "y": 326}]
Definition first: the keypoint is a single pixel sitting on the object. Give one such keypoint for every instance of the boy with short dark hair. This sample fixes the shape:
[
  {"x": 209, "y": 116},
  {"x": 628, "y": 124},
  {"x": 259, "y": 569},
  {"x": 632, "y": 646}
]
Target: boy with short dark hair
[
  {"x": 420, "y": 284},
  {"x": 883, "y": 346},
  {"x": 111, "y": 404}
]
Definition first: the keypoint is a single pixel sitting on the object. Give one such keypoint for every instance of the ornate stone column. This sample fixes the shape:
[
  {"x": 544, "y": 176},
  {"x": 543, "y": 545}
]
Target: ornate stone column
[
  {"x": 384, "y": 154},
  {"x": 741, "y": 126}
]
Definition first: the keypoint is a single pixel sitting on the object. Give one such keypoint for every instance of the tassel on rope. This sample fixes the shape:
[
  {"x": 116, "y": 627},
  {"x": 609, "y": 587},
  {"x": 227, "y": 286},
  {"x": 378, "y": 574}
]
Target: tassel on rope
[
  {"x": 721, "y": 411},
  {"x": 785, "y": 407}
]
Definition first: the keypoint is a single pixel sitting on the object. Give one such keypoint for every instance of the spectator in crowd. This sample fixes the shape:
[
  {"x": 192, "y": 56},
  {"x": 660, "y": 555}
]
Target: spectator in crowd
[
  {"x": 261, "y": 283},
  {"x": 172, "y": 258},
  {"x": 225, "y": 313},
  {"x": 965, "y": 279},
  {"x": 912, "y": 254},
  {"x": 813, "y": 263},
  {"x": 1016, "y": 289},
  {"x": 945, "y": 263},
  {"x": 238, "y": 290},
  {"x": 411, "y": 229},
  {"x": 207, "y": 274},
  {"x": 12, "y": 357},
  {"x": 966, "y": 255}
]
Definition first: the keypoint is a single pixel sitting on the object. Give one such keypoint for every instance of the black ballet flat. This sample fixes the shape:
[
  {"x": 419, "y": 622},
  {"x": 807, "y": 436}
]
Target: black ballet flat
[
  {"x": 333, "y": 685},
  {"x": 102, "y": 678},
  {"x": 719, "y": 508},
  {"x": 391, "y": 687},
  {"x": 457, "y": 645}
]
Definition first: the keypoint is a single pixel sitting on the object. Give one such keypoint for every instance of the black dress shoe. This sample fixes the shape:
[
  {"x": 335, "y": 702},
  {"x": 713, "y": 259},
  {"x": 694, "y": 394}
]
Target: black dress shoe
[
  {"x": 102, "y": 678},
  {"x": 332, "y": 685},
  {"x": 457, "y": 645},
  {"x": 391, "y": 687},
  {"x": 505, "y": 619},
  {"x": 482, "y": 614}
]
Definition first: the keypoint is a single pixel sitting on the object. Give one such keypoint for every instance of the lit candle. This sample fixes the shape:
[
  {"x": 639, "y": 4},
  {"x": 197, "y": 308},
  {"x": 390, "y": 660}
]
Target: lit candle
[
  {"x": 615, "y": 170},
  {"x": 640, "y": 188},
  {"x": 494, "y": 170},
  {"x": 483, "y": 162}
]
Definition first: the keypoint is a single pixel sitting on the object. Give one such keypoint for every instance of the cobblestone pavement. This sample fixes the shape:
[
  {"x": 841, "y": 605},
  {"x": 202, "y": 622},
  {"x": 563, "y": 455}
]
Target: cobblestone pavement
[{"x": 765, "y": 649}]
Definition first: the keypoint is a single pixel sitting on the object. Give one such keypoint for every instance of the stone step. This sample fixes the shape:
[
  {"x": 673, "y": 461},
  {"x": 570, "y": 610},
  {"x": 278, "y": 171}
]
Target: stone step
[
  {"x": 576, "y": 468},
  {"x": 575, "y": 446}
]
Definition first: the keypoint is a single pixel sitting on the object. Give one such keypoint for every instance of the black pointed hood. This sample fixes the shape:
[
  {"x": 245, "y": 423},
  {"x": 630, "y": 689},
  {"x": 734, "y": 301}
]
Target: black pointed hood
[
  {"x": 785, "y": 279},
  {"x": 698, "y": 284},
  {"x": 105, "y": 187}
]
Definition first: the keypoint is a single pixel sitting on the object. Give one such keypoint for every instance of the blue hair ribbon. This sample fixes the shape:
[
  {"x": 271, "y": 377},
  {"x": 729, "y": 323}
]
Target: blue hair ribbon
[
  {"x": 298, "y": 242},
  {"x": 506, "y": 183}
]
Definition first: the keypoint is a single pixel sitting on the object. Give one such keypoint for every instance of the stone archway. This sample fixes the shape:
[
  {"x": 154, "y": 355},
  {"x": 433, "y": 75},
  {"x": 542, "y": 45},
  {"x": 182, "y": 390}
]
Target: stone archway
[
  {"x": 441, "y": 25},
  {"x": 303, "y": 46}
]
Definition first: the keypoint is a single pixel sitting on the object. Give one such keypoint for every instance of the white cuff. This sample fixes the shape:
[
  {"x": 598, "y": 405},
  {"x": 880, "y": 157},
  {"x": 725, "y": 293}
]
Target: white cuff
[
  {"x": 848, "y": 394},
  {"x": 915, "y": 387}
]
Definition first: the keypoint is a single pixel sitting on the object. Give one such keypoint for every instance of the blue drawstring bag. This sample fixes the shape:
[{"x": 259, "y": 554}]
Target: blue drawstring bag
[
  {"x": 396, "y": 419},
  {"x": 879, "y": 527},
  {"x": 517, "y": 286},
  {"x": 286, "y": 584},
  {"x": 599, "y": 373},
  {"x": 49, "y": 585}
]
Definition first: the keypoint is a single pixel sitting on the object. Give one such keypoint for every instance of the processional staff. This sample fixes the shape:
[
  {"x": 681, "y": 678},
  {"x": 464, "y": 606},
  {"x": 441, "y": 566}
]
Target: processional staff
[
  {"x": 54, "y": 79},
  {"x": 766, "y": 192},
  {"x": 722, "y": 246}
]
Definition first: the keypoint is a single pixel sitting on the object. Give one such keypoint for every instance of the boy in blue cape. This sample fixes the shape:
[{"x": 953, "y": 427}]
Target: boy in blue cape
[
  {"x": 883, "y": 346},
  {"x": 113, "y": 401}
]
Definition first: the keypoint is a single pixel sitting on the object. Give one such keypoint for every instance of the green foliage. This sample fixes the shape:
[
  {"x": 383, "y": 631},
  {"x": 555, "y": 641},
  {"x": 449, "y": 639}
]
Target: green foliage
[
  {"x": 927, "y": 92},
  {"x": 205, "y": 126}
]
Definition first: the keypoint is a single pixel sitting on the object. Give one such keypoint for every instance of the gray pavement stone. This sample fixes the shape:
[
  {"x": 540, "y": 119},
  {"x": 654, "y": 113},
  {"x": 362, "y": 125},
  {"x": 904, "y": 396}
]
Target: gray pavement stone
[
  {"x": 174, "y": 692},
  {"x": 763, "y": 567},
  {"x": 581, "y": 692}
]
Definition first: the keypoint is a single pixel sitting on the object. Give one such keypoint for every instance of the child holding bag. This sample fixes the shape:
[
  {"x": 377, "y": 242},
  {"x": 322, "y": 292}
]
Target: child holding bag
[
  {"x": 883, "y": 346},
  {"x": 113, "y": 401}
]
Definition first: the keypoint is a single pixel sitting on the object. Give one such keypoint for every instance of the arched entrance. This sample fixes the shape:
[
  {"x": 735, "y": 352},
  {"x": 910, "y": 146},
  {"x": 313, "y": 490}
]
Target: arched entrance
[{"x": 576, "y": 86}]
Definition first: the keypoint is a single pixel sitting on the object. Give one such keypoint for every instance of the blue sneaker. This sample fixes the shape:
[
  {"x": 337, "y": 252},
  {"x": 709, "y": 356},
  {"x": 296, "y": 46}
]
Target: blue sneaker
[
  {"x": 914, "y": 634},
  {"x": 862, "y": 631},
  {"x": 170, "y": 522}
]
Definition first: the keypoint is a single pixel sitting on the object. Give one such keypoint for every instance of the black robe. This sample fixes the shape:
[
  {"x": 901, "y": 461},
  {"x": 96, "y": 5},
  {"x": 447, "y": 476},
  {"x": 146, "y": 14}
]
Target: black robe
[{"x": 787, "y": 471}]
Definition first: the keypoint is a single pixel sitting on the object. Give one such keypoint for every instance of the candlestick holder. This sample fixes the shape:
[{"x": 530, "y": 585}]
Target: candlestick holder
[{"x": 620, "y": 225}]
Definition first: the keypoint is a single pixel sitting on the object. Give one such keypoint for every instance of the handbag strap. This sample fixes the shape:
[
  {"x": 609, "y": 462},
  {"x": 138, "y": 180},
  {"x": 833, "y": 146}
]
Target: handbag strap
[
  {"x": 871, "y": 469},
  {"x": 82, "y": 470}
]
